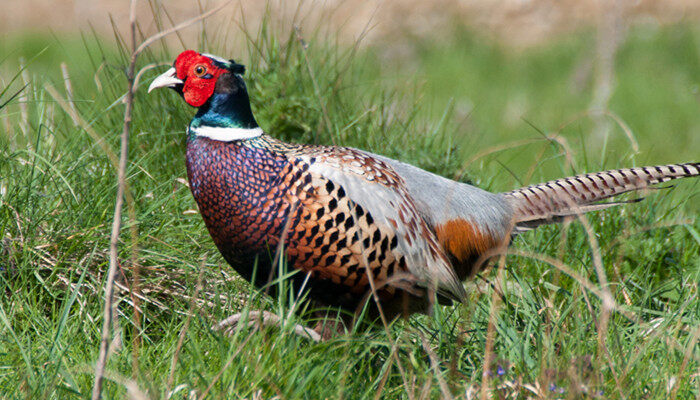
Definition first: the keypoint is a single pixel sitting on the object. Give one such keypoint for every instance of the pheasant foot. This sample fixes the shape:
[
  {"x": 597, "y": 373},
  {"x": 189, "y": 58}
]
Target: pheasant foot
[{"x": 264, "y": 318}]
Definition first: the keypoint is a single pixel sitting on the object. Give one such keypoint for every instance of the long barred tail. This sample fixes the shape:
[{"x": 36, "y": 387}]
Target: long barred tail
[{"x": 551, "y": 201}]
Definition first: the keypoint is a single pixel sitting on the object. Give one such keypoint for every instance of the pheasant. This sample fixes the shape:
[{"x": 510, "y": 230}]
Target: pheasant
[{"x": 353, "y": 223}]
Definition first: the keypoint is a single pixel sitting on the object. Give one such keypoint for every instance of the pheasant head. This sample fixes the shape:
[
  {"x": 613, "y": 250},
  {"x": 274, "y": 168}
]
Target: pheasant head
[{"x": 214, "y": 85}]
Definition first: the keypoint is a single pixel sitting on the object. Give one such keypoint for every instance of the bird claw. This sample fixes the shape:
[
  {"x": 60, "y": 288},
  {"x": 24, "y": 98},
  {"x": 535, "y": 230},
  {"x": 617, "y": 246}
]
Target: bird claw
[{"x": 263, "y": 318}]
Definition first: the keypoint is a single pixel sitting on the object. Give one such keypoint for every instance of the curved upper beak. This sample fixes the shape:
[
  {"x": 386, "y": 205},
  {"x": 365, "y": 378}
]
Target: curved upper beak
[{"x": 167, "y": 79}]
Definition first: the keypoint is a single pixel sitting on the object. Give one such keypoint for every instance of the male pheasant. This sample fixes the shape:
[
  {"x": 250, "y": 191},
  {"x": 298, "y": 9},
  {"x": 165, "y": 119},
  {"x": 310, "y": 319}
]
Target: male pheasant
[{"x": 352, "y": 222}]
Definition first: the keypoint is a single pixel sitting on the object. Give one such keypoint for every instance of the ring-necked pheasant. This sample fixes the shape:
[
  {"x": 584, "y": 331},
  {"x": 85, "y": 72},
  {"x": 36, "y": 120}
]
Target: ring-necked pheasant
[{"x": 349, "y": 219}]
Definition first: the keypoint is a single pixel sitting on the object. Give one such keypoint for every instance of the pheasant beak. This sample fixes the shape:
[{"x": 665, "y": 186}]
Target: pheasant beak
[{"x": 167, "y": 79}]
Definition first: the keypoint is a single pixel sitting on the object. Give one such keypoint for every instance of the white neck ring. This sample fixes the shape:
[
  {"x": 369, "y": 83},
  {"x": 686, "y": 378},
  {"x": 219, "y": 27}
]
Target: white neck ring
[{"x": 226, "y": 134}]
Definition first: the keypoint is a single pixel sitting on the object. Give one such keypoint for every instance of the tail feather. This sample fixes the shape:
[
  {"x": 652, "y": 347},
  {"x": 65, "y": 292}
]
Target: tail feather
[{"x": 554, "y": 200}]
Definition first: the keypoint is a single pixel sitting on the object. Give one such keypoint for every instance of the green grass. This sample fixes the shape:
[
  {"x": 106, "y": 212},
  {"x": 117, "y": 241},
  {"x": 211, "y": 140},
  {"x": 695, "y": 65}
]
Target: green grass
[{"x": 57, "y": 187}]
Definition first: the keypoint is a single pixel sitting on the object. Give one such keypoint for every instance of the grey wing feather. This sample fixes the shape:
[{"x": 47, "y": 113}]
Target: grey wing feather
[{"x": 440, "y": 199}]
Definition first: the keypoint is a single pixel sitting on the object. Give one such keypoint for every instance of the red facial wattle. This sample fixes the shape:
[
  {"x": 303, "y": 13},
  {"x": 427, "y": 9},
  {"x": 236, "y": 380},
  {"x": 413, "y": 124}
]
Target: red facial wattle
[{"x": 199, "y": 86}]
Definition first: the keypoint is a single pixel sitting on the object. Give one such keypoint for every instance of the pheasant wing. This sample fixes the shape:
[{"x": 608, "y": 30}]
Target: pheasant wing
[{"x": 385, "y": 217}]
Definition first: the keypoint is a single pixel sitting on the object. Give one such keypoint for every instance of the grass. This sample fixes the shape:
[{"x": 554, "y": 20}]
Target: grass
[{"x": 548, "y": 338}]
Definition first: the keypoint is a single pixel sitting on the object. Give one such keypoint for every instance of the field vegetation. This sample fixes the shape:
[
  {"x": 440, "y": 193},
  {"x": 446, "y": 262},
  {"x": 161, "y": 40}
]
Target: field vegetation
[{"x": 535, "y": 325}]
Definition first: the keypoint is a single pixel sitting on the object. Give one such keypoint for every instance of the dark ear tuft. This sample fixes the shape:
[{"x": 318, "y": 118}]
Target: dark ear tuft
[{"x": 237, "y": 68}]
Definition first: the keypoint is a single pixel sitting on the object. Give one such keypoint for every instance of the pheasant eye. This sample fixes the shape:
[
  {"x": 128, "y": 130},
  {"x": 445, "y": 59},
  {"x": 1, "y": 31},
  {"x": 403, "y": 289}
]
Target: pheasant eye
[{"x": 200, "y": 70}]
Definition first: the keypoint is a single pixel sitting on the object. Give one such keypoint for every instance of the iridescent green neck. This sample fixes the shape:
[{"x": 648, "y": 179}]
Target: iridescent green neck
[{"x": 225, "y": 110}]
